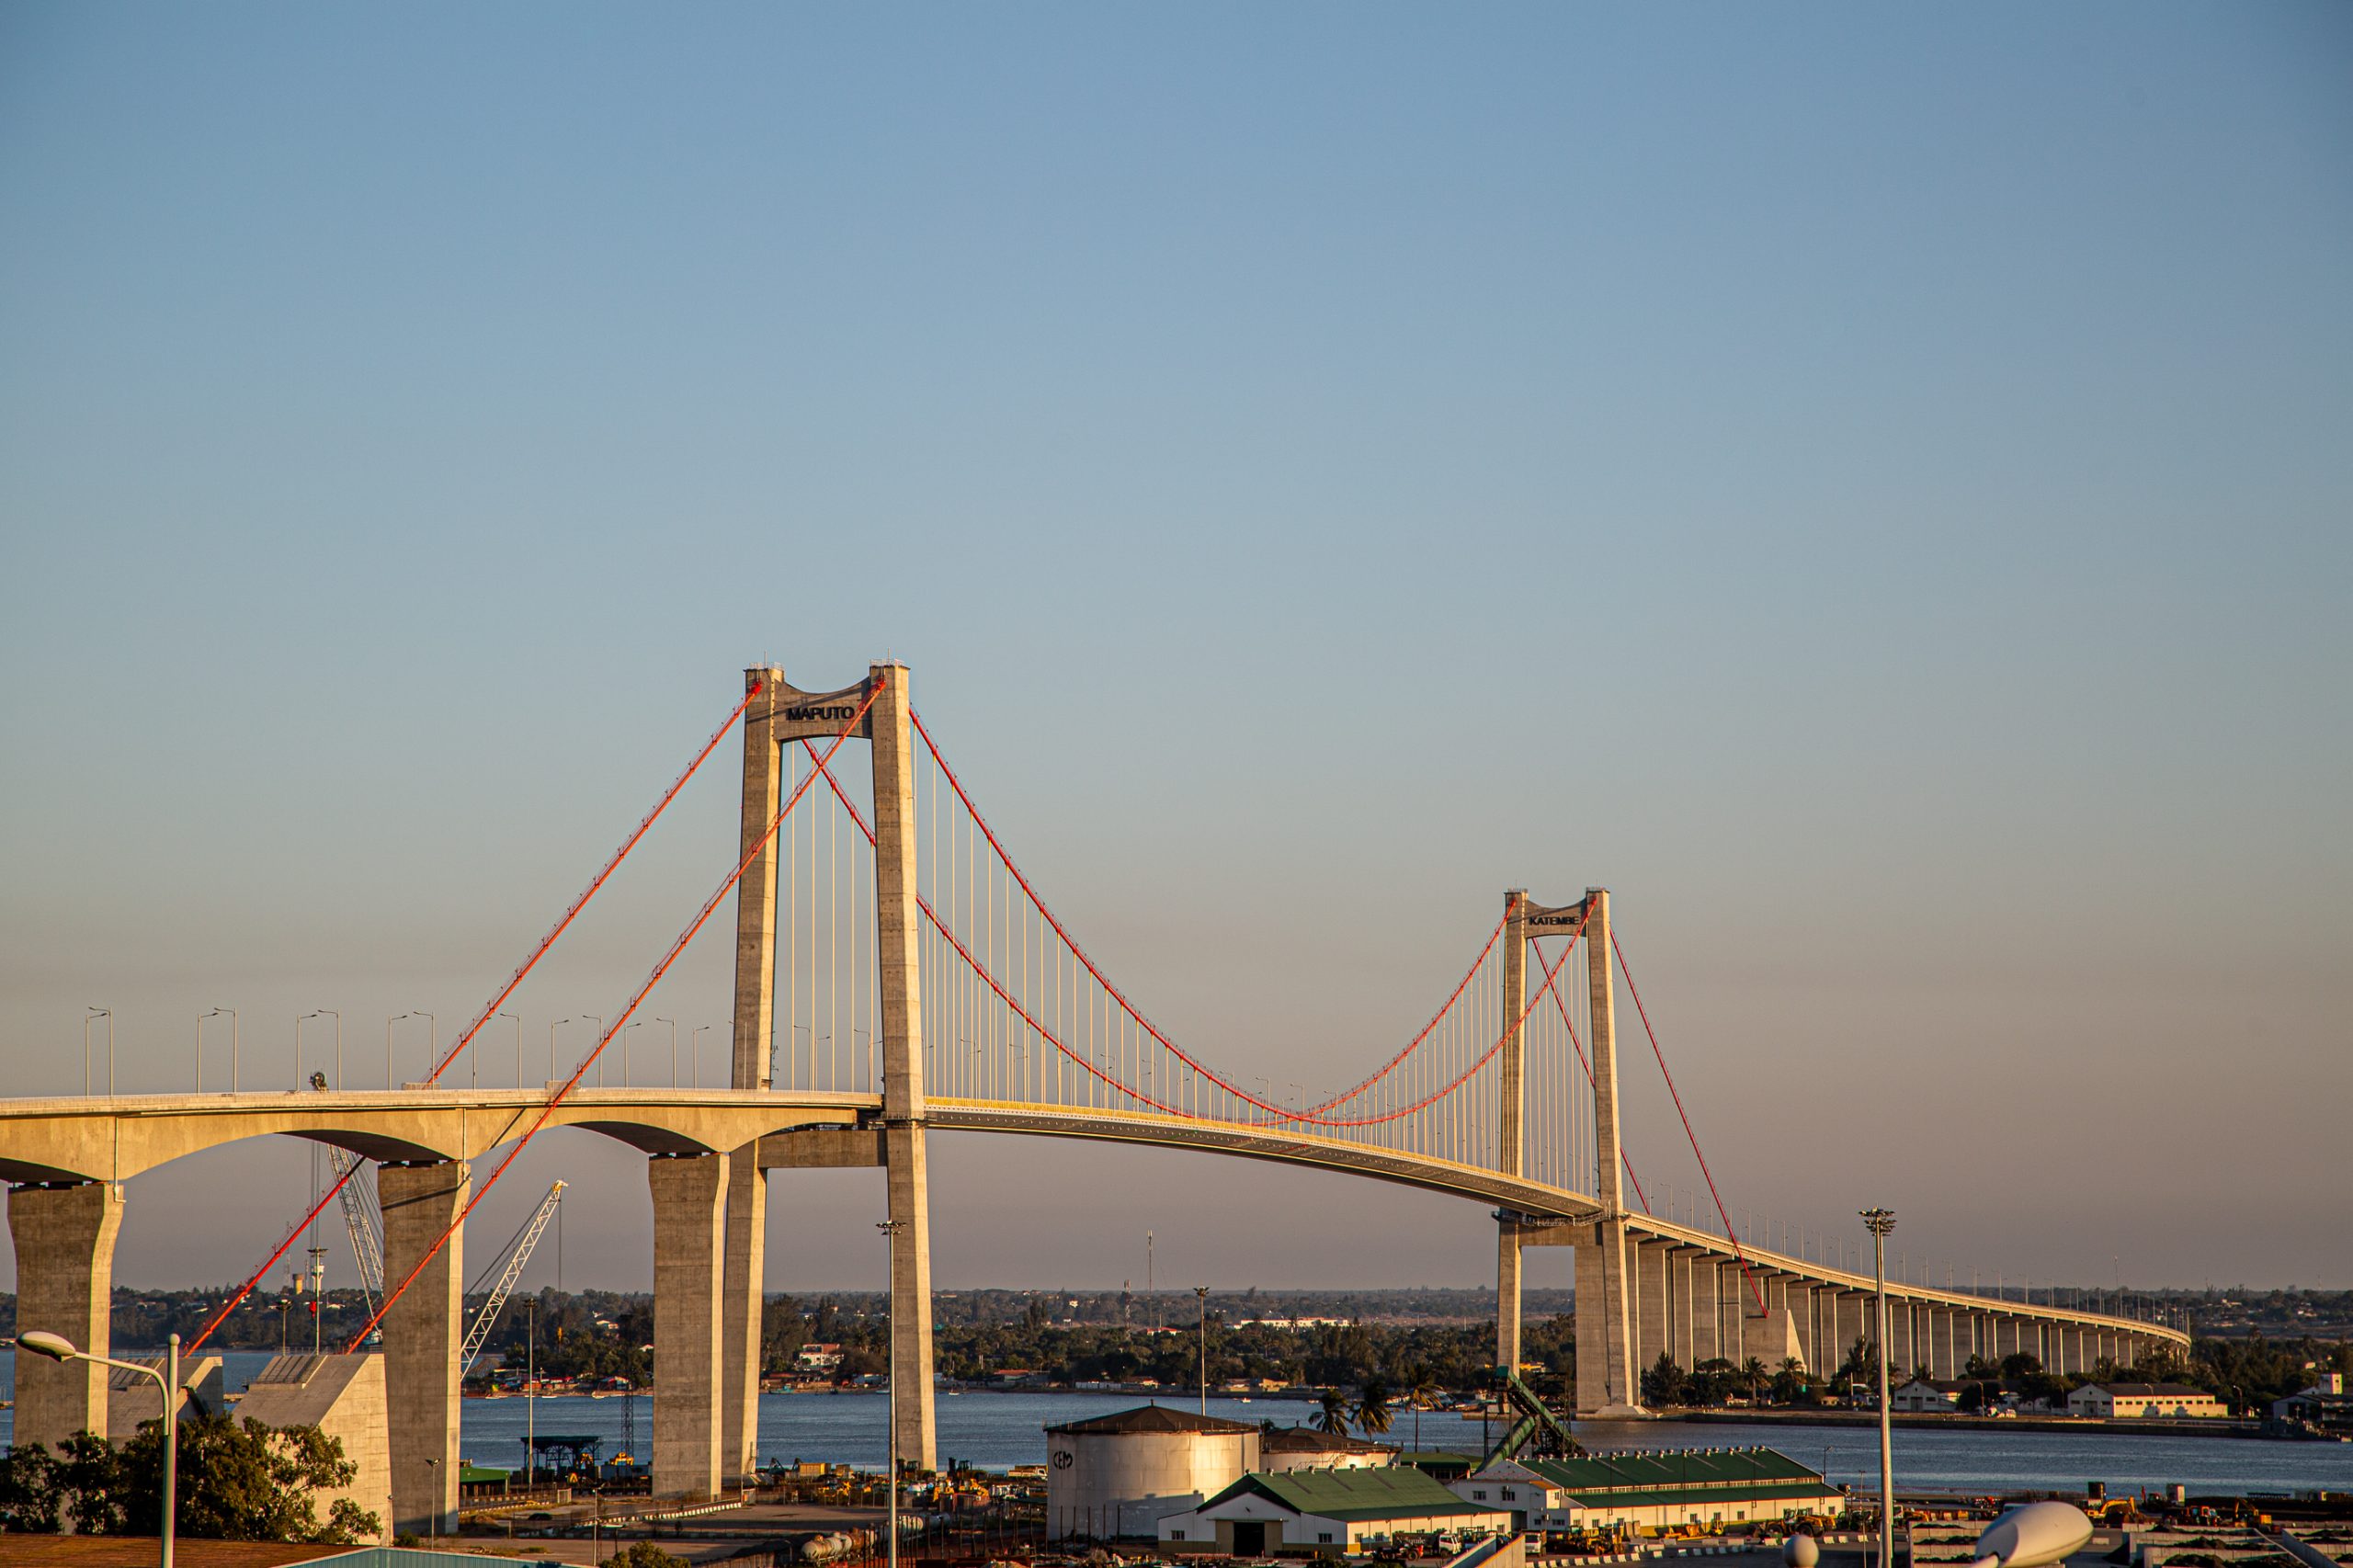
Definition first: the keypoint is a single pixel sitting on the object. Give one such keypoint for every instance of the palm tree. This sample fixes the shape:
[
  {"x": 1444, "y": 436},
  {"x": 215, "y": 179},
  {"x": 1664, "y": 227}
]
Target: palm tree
[
  {"x": 1373, "y": 1406},
  {"x": 1334, "y": 1416},
  {"x": 1421, "y": 1392},
  {"x": 1751, "y": 1373}
]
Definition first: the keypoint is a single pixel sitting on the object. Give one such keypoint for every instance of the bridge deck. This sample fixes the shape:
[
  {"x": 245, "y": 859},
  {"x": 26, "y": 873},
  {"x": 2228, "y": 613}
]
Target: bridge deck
[{"x": 113, "y": 1139}]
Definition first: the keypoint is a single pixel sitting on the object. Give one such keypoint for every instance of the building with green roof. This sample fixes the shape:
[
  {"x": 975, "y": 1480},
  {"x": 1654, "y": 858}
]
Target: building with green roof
[
  {"x": 1655, "y": 1488},
  {"x": 1323, "y": 1510}
]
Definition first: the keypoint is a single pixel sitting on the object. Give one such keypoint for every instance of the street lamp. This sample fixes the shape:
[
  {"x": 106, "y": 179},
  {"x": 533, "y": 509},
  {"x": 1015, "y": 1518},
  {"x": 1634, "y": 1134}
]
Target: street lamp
[
  {"x": 389, "y": 1019},
  {"x": 598, "y": 1047},
  {"x": 57, "y": 1348},
  {"x": 234, "y": 1032},
  {"x": 890, "y": 1229},
  {"x": 432, "y": 1042},
  {"x": 93, "y": 1016},
  {"x": 625, "y": 1029},
  {"x": 323, "y": 1012},
  {"x": 673, "y": 1048},
  {"x": 693, "y": 1048},
  {"x": 1881, "y": 1222},
  {"x": 552, "y": 1028},
  {"x": 516, "y": 1020}
]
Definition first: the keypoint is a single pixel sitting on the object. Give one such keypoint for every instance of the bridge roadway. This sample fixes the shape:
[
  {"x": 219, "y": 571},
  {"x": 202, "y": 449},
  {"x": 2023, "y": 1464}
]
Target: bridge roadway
[{"x": 1688, "y": 1297}]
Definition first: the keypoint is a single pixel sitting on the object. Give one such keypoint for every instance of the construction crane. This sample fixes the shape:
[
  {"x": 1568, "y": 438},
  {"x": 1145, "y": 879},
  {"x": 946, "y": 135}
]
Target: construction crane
[
  {"x": 358, "y": 1218},
  {"x": 517, "y": 1252}
]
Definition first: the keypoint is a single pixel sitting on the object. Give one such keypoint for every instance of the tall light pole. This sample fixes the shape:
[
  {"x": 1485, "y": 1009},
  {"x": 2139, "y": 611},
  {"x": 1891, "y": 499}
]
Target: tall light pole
[
  {"x": 890, "y": 1229},
  {"x": 517, "y": 1019},
  {"x": 693, "y": 1048},
  {"x": 389, "y": 1019},
  {"x": 1881, "y": 1222},
  {"x": 673, "y": 1048},
  {"x": 233, "y": 1044},
  {"x": 531, "y": 1396},
  {"x": 625, "y": 1029},
  {"x": 324, "y": 1012},
  {"x": 432, "y": 1042},
  {"x": 1202, "y": 1293},
  {"x": 593, "y": 1018},
  {"x": 57, "y": 1348},
  {"x": 552, "y": 1028},
  {"x": 93, "y": 1016}
]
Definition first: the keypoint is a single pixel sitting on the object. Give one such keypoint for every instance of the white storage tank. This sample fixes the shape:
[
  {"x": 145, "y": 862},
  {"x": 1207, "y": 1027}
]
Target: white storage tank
[{"x": 1117, "y": 1475}]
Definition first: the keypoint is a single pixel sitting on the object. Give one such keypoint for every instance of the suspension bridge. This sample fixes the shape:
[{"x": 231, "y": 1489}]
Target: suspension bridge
[{"x": 897, "y": 974}]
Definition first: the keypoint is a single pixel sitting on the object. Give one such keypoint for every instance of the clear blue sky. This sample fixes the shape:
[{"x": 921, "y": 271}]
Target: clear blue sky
[{"x": 1870, "y": 485}]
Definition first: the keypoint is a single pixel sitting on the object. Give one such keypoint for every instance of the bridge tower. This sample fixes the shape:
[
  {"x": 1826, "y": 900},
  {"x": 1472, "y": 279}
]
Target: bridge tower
[
  {"x": 780, "y": 715},
  {"x": 1607, "y": 1373}
]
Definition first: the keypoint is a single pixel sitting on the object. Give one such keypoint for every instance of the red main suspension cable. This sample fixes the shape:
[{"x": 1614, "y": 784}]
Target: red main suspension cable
[
  {"x": 1282, "y": 1113},
  {"x": 619, "y": 1020},
  {"x": 1046, "y": 1034},
  {"x": 491, "y": 1011},
  {"x": 1635, "y": 992}
]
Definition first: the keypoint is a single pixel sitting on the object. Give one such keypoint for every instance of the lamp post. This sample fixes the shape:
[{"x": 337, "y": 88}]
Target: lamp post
[
  {"x": 233, "y": 1045},
  {"x": 593, "y": 1018},
  {"x": 324, "y": 1013},
  {"x": 92, "y": 1016},
  {"x": 634, "y": 1024},
  {"x": 530, "y": 1397},
  {"x": 890, "y": 1229},
  {"x": 1881, "y": 1222},
  {"x": 673, "y": 1048},
  {"x": 1202, "y": 1292},
  {"x": 515, "y": 1018},
  {"x": 694, "y": 1049},
  {"x": 432, "y": 1042},
  {"x": 57, "y": 1348},
  {"x": 389, "y": 1019},
  {"x": 552, "y": 1028}
]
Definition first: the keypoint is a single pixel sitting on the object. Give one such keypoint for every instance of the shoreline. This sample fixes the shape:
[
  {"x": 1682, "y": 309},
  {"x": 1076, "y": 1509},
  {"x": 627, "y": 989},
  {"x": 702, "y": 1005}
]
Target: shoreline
[{"x": 1932, "y": 1421}]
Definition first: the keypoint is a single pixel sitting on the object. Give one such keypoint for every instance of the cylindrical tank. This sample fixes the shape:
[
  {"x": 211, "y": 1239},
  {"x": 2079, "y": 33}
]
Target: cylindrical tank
[{"x": 1119, "y": 1475}]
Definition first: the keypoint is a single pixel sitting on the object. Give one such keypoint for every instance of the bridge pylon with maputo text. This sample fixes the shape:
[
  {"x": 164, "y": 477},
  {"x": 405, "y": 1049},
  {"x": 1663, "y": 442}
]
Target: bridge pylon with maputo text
[
  {"x": 1608, "y": 1376},
  {"x": 780, "y": 715}
]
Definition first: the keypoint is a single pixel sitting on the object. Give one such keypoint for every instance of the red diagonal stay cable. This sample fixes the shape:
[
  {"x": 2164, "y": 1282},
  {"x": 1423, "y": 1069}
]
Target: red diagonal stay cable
[
  {"x": 1623, "y": 1159},
  {"x": 619, "y": 1019},
  {"x": 490, "y": 1012},
  {"x": 1635, "y": 992}
]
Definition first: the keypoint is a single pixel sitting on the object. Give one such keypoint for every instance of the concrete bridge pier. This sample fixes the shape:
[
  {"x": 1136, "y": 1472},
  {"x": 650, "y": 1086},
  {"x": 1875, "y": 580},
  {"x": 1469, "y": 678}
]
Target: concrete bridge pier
[
  {"x": 64, "y": 1238},
  {"x": 422, "y": 1333},
  {"x": 743, "y": 1276},
  {"x": 690, "y": 1226}
]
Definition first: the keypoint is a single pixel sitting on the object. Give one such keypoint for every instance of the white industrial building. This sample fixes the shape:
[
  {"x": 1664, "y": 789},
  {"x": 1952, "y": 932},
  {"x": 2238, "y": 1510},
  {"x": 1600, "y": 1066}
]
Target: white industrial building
[
  {"x": 2129, "y": 1401},
  {"x": 1117, "y": 1475}
]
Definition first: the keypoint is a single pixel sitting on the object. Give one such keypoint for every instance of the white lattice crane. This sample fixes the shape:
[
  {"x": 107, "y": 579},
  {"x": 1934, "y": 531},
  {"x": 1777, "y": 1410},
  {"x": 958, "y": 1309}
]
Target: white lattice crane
[{"x": 517, "y": 1252}]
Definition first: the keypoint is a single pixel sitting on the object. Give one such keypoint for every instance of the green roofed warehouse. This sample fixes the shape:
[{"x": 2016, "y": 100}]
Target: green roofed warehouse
[
  {"x": 1305, "y": 1510},
  {"x": 1655, "y": 1487}
]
